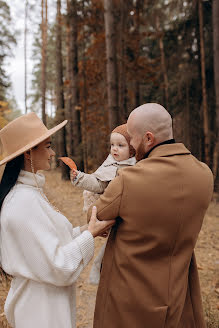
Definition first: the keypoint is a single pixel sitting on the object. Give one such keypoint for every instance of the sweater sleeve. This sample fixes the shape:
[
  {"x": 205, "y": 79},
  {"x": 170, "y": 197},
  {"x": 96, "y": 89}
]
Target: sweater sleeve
[
  {"x": 76, "y": 232},
  {"x": 90, "y": 182},
  {"x": 33, "y": 249}
]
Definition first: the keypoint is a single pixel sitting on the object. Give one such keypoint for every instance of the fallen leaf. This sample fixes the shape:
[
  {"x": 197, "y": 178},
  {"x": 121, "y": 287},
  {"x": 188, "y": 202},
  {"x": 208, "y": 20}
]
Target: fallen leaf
[
  {"x": 68, "y": 161},
  {"x": 200, "y": 267}
]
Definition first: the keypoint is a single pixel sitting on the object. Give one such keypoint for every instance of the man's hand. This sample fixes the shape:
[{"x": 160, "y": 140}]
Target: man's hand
[
  {"x": 96, "y": 227},
  {"x": 73, "y": 174}
]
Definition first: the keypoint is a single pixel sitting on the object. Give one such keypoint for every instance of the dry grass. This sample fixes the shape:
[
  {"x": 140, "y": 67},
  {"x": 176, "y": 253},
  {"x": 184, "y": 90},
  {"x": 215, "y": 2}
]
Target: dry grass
[
  {"x": 4, "y": 286},
  {"x": 69, "y": 200},
  {"x": 207, "y": 252}
]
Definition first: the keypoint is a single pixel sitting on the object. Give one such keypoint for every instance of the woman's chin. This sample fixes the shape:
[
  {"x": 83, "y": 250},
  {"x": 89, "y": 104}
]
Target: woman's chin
[{"x": 46, "y": 168}]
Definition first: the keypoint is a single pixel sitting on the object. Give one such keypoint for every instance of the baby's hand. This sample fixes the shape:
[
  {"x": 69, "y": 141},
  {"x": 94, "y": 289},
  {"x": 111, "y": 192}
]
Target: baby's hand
[{"x": 73, "y": 174}]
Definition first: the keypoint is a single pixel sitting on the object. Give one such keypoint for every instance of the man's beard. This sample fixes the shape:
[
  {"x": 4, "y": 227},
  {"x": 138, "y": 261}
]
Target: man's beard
[{"x": 140, "y": 152}]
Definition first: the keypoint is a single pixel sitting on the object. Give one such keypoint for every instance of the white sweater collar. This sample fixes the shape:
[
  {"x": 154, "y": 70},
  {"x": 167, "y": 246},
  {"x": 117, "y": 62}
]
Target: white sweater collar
[{"x": 27, "y": 178}]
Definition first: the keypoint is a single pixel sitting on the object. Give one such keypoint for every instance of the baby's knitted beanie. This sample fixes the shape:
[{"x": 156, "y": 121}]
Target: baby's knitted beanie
[{"x": 122, "y": 129}]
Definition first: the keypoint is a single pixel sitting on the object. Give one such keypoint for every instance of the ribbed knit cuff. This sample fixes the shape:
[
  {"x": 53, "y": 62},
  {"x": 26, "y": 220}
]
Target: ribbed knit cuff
[
  {"x": 74, "y": 182},
  {"x": 76, "y": 232},
  {"x": 86, "y": 244}
]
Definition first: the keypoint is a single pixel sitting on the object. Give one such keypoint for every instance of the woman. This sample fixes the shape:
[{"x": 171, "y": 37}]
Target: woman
[{"x": 39, "y": 246}]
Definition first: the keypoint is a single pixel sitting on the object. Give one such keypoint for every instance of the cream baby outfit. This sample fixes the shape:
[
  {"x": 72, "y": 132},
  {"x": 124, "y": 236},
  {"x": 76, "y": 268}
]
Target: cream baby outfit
[
  {"x": 45, "y": 256},
  {"x": 94, "y": 185}
]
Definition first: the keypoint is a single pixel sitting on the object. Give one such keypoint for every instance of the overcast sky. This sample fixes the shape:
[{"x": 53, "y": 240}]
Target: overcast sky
[{"x": 16, "y": 64}]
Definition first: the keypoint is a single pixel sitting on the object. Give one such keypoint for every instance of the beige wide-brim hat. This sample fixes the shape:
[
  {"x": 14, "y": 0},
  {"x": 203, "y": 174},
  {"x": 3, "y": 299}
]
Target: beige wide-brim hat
[{"x": 24, "y": 133}]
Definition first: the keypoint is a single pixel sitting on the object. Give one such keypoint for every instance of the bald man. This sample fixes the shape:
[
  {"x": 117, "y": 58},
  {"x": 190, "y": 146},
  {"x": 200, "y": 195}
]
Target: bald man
[{"x": 149, "y": 276}]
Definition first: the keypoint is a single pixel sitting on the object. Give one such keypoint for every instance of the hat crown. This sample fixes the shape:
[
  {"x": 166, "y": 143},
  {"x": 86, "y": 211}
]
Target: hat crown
[
  {"x": 21, "y": 132},
  {"x": 122, "y": 129}
]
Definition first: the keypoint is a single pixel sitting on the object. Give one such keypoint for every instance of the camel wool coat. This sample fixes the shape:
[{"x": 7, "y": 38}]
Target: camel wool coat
[{"x": 149, "y": 275}]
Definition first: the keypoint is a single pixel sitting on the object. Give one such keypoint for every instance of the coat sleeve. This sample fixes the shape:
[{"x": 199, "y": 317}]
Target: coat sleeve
[
  {"x": 34, "y": 251},
  {"x": 108, "y": 205},
  {"x": 90, "y": 182}
]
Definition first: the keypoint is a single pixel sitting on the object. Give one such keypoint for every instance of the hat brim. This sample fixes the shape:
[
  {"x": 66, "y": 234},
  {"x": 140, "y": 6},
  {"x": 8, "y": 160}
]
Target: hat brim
[{"x": 34, "y": 143}]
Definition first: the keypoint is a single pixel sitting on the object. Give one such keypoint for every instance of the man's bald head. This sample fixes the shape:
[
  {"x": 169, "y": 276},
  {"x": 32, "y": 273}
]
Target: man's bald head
[
  {"x": 149, "y": 125},
  {"x": 154, "y": 118}
]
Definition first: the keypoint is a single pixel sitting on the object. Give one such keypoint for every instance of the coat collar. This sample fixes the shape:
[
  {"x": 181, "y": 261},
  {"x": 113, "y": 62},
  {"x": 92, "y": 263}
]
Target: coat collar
[
  {"x": 111, "y": 161},
  {"x": 169, "y": 150},
  {"x": 107, "y": 171},
  {"x": 170, "y": 141}
]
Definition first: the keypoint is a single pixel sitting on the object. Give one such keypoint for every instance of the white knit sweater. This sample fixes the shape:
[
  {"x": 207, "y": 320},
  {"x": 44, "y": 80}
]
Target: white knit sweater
[{"x": 44, "y": 254}]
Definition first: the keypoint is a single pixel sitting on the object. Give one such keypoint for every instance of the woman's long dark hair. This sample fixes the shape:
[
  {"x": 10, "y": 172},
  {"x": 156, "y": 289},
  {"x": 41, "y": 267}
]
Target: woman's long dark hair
[{"x": 9, "y": 178}]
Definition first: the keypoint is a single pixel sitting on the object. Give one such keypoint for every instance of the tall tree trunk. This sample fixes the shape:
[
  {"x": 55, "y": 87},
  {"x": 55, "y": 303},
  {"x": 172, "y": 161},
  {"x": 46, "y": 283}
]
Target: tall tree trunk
[
  {"x": 163, "y": 62},
  {"x": 112, "y": 85},
  {"x": 25, "y": 55},
  {"x": 122, "y": 31},
  {"x": 138, "y": 10},
  {"x": 73, "y": 89},
  {"x": 215, "y": 16},
  {"x": 187, "y": 117},
  {"x": 74, "y": 85},
  {"x": 84, "y": 119},
  {"x": 204, "y": 92},
  {"x": 44, "y": 46},
  {"x": 60, "y": 111},
  {"x": 84, "y": 105},
  {"x": 69, "y": 76}
]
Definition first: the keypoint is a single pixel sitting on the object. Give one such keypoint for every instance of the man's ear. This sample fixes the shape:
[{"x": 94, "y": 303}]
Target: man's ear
[{"x": 149, "y": 138}]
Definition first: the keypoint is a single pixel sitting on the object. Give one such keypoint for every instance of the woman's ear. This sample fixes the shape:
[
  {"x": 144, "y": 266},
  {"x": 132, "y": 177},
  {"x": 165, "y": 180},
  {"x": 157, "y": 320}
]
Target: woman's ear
[{"x": 27, "y": 155}]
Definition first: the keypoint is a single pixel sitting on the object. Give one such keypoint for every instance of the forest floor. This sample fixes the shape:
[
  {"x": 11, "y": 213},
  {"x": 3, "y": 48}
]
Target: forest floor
[{"x": 69, "y": 201}]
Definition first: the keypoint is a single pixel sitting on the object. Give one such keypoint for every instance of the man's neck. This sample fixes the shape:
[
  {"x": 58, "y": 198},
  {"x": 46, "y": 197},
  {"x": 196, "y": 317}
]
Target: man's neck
[{"x": 170, "y": 141}]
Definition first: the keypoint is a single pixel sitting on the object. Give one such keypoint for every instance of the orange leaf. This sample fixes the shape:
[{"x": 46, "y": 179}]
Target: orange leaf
[{"x": 68, "y": 161}]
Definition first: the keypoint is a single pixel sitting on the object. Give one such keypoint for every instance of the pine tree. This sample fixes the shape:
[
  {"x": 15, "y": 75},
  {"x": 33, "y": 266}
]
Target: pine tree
[
  {"x": 204, "y": 91},
  {"x": 215, "y": 16},
  {"x": 112, "y": 84},
  {"x": 44, "y": 23},
  {"x": 60, "y": 103},
  {"x": 7, "y": 40}
]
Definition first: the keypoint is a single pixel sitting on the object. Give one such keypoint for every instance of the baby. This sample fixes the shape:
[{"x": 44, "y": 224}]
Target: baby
[{"x": 121, "y": 155}]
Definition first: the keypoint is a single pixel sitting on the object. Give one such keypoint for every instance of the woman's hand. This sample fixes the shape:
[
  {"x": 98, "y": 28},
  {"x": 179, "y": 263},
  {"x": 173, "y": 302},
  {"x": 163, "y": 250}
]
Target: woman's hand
[
  {"x": 73, "y": 174},
  {"x": 97, "y": 227},
  {"x": 104, "y": 235}
]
